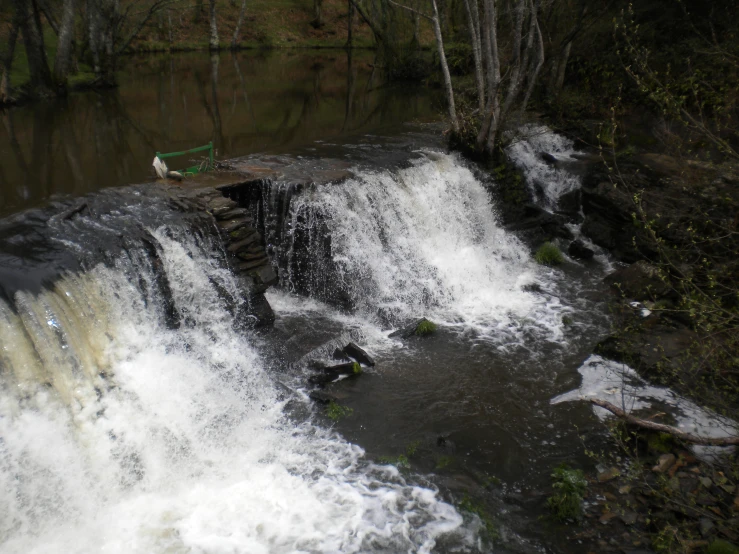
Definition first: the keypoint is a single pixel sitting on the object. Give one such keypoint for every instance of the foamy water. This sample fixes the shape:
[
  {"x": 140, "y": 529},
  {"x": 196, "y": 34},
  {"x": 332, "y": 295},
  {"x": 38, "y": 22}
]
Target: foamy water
[
  {"x": 546, "y": 182},
  {"x": 425, "y": 242},
  {"x": 119, "y": 434}
]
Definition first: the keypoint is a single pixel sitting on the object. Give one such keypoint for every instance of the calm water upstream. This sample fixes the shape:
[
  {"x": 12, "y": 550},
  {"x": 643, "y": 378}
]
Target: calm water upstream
[
  {"x": 250, "y": 102},
  {"x": 125, "y": 432}
]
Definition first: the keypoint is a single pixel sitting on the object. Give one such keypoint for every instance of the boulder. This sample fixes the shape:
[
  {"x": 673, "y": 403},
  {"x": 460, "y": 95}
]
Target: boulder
[
  {"x": 420, "y": 327},
  {"x": 322, "y": 397},
  {"x": 356, "y": 353},
  {"x": 639, "y": 281},
  {"x": 327, "y": 373},
  {"x": 546, "y": 157},
  {"x": 261, "y": 310},
  {"x": 578, "y": 250},
  {"x": 570, "y": 203}
]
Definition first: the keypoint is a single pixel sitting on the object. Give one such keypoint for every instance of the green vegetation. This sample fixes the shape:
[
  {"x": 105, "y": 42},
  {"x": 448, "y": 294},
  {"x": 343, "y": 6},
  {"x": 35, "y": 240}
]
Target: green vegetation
[
  {"x": 402, "y": 461},
  {"x": 336, "y": 411},
  {"x": 356, "y": 368},
  {"x": 569, "y": 487},
  {"x": 477, "y": 508},
  {"x": 720, "y": 546},
  {"x": 425, "y": 328},
  {"x": 548, "y": 254}
]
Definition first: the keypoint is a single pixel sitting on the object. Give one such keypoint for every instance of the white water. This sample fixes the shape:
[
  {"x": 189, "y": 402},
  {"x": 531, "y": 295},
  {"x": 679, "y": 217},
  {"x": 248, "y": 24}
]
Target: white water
[
  {"x": 620, "y": 385},
  {"x": 425, "y": 241},
  {"x": 545, "y": 181},
  {"x": 118, "y": 434}
]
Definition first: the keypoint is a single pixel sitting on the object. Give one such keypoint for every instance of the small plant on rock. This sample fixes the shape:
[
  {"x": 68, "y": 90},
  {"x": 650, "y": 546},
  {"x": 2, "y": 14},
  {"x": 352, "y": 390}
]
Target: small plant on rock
[
  {"x": 425, "y": 327},
  {"x": 569, "y": 487},
  {"x": 336, "y": 411},
  {"x": 549, "y": 254}
]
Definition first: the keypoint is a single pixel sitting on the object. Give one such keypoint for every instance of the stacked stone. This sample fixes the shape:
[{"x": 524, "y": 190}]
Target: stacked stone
[{"x": 246, "y": 249}]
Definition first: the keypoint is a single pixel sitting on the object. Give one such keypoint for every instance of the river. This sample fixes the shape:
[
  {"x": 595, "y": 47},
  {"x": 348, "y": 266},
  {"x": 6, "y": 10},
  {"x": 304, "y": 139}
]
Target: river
[{"x": 121, "y": 431}]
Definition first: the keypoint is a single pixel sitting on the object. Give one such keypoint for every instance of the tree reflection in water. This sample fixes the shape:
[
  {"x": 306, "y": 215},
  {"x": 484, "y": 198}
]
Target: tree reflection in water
[{"x": 253, "y": 102}]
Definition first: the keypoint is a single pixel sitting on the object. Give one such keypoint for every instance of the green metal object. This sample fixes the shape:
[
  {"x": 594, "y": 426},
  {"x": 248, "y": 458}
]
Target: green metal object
[{"x": 195, "y": 169}]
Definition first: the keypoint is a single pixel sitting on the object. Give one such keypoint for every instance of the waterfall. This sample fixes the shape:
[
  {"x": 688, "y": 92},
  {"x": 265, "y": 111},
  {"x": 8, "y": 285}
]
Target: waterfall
[
  {"x": 419, "y": 241},
  {"x": 547, "y": 179},
  {"x": 125, "y": 430}
]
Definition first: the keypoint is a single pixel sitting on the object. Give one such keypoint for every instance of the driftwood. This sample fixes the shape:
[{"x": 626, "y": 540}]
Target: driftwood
[{"x": 675, "y": 432}]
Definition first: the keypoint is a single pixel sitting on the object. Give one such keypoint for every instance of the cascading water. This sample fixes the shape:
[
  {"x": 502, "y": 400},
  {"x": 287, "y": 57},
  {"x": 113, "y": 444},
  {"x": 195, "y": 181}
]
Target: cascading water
[
  {"x": 123, "y": 432},
  {"x": 539, "y": 153},
  {"x": 420, "y": 241}
]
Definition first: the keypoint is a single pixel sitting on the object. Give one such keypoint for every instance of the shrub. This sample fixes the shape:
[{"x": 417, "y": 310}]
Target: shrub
[
  {"x": 549, "y": 254},
  {"x": 566, "y": 500}
]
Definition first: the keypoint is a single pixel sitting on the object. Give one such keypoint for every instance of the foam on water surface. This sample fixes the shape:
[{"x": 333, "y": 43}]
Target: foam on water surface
[
  {"x": 127, "y": 435},
  {"x": 424, "y": 241}
]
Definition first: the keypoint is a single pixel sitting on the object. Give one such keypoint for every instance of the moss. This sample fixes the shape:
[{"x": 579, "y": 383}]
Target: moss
[
  {"x": 475, "y": 507},
  {"x": 336, "y": 411},
  {"x": 569, "y": 487},
  {"x": 661, "y": 443},
  {"x": 567, "y": 320},
  {"x": 356, "y": 368},
  {"x": 549, "y": 254},
  {"x": 444, "y": 462},
  {"x": 401, "y": 462},
  {"x": 720, "y": 546},
  {"x": 425, "y": 327}
]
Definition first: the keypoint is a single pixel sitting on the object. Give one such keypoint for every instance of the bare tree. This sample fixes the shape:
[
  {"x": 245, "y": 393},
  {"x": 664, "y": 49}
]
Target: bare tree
[
  {"x": 473, "y": 22},
  {"x": 448, "y": 89},
  {"x": 213, "y": 44},
  {"x": 526, "y": 58},
  {"x": 237, "y": 31},
  {"x": 63, "y": 60},
  {"x": 318, "y": 14},
  {"x": 7, "y": 62},
  {"x": 29, "y": 21}
]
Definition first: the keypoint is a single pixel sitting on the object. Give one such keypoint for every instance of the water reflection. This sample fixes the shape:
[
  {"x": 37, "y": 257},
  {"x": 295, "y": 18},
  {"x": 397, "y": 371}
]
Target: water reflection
[{"x": 244, "y": 103}]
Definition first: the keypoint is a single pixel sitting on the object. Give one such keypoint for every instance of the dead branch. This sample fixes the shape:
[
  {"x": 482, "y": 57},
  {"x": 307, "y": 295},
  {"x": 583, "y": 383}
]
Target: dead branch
[{"x": 675, "y": 432}]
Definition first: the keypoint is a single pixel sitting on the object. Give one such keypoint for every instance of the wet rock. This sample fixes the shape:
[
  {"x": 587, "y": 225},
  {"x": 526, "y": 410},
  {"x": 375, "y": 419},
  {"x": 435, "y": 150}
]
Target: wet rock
[
  {"x": 629, "y": 518},
  {"x": 356, "y": 353},
  {"x": 536, "y": 226},
  {"x": 331, "y": 373},
  {"x": 570, "y": 203},
  {"x": 265, "y": 276},
  {"x": 639, "y": 281},
  {"x": 664, "y": 463},
  {"x": 706, "y": 526},
  {"x": 322, "y": 397},
  {"x": 419, "y": 327},
  {"x": 548, "y": 158},
  {"x": 261, "y": 310},
  {"x": 608, "y": 474},
  {"x": 578, "y": 250}
]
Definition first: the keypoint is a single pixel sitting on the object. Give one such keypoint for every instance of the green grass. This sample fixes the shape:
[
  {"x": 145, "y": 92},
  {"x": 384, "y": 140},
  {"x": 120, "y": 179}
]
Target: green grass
[
  {"x": 569, "y": 487},
  {"x": 548, "y": 254},
  {"x": 720, "y": 546}
]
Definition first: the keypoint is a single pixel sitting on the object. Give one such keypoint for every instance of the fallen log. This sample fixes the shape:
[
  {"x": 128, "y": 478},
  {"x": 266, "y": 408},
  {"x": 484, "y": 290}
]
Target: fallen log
[{"x": 674, "y": 431}]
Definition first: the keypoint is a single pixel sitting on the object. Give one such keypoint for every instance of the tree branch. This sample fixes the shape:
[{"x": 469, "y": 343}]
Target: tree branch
[
  {"x": 674, "y": 431},
  {"x": 427, "y": 16}
]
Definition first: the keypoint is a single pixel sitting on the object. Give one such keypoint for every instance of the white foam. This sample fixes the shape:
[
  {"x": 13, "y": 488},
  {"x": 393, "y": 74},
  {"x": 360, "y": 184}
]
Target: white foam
[
  {"x": 545, "y": 181},
  {"x": 183, "y": 445},
  {"x": 424, "y": 241},
  {"x": 620, "y": 385}
]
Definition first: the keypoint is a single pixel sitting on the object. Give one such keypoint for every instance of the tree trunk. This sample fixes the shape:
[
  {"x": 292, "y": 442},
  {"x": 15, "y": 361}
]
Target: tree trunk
[
  {"x": 445, "y": 69},
  {"x": 561, "y": 69},
  {"x": 350, "y": 25},
  {"x": 63, "y": 59},
  {"x": 7, "y": 63},
  {"x": 237, "y": 31},
  {"x": 490, "y": 124},
  {"x": 534, "y": 75},
  {"x": 213, "y": 44},
  {"x": 318, "y": 13},
  {"x": 473, "y": 22},
  {"x": 38, "y": 66}
]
